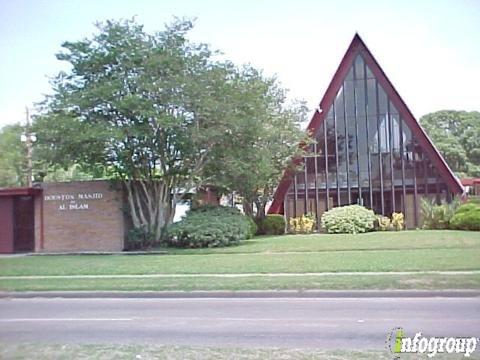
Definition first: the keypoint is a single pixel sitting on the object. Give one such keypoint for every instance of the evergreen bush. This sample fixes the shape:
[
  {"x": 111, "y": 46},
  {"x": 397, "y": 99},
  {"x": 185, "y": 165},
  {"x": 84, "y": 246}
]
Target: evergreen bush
[
  {"x": 272, "y": 225},
  {"x": 351, "y": 219},
  {"x": 140, "y": 239},
  {"x": 209, "y": 226},
  {"x": 467, "y": 217}
]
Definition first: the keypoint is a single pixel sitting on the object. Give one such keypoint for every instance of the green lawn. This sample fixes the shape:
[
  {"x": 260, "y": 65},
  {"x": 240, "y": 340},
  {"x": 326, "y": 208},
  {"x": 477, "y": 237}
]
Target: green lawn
[
  {"x": 409, "y": 240},
  {"x": 148, "y": 352},
  {"x": 306, "y": 282},
  {"x": 374, "y": 252}
]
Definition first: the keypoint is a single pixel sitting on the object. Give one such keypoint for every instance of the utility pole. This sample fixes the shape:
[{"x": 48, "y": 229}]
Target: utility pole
[{"x": 29, "y": 139}]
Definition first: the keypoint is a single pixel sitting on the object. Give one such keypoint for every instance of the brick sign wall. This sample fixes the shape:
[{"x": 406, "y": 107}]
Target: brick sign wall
[{"x": 82, "y": 216}]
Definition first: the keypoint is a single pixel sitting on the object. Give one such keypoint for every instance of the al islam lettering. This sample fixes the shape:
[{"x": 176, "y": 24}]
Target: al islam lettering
[{"x": 78, "y": 201}]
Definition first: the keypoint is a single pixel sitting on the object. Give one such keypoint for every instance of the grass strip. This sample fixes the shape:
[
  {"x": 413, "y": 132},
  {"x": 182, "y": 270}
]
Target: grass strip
[
  {"x": 402, "y": 240},
  {"x": 150, "y": 352},
  {"x": 345, "y": 261},
  {"x": 307, "y": 282}
]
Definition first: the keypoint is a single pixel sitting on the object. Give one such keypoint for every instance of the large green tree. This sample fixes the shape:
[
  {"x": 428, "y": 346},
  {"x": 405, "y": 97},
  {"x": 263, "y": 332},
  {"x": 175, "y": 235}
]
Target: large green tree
[
  {"x": 13, "y": 156},
  {"x": 266, "y": 139},
  {"x": 456, "y": 134},
  {"x": 153, "y": 110}
]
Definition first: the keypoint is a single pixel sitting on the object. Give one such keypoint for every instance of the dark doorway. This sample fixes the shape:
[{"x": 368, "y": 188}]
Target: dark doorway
[{"x": 23, "y": 231}]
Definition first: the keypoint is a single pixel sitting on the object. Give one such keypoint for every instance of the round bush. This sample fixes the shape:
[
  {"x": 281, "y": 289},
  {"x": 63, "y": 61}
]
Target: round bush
[
  {"x": 272, "y": 225},
  {"x": 351, "y": 219},
  {"x": 467, "y": 217},
  {"x": 209, "y": 226}
]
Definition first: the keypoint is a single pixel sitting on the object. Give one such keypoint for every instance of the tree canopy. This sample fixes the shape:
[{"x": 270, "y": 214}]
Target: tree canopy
[
  {"x": 266, "y": 138},
  {"x": 157, "y": 111},
  {"x": 456, "y": 134},
  {"x": 13, "y": 159}
]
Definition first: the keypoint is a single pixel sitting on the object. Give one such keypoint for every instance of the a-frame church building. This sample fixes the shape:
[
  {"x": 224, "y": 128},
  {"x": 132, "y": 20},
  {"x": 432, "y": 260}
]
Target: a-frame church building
[{"x": 368, "y": 149}]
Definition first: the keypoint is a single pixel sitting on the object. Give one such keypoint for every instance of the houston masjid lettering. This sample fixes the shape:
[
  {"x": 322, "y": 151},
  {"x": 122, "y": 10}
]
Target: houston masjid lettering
[{"x": 68, "y": 202}]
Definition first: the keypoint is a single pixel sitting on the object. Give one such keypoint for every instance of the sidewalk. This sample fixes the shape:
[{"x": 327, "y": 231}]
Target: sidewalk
[
  {"x": 244, "y": 294},
  {"x": 239, "y": 275}
]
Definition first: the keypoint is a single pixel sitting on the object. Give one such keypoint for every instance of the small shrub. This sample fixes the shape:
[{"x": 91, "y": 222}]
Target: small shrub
[
  {"x": 271, "y": 225},
  {"x": 139, "y": 239},
  {"x": 351, "y": 219},
  {"x": 384, "y": 223},
  {"x": 467, "y": 217},
  {"x": 302, "y": 225},
  {"x": 209, "y": 226},
  {"x": 398, "y": 222},
  {"x": 437, "y": 216}
]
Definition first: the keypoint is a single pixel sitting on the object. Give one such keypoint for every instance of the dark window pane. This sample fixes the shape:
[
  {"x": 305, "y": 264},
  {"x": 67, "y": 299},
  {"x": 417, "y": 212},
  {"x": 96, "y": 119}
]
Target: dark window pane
[
  {"x": 363, "y": 152},
  {"x": 407, "y": 140},
  {"x": 349, "y": 99},
  {"x": 382, "y": 100},
  {"x": 376, "y": 178},
  {"x": 383, "y": 136},
  {"x": 371, "y": 99},
  {"x": 395, "y": 133},
  {"x": 360, "y": 97},
  {"x": 352, "y": 152},
  {"x": 341, "y": 146},
  {"x": 387, "y": 181},
  {"x": 330, "y": 113},
  {"x": 331, "y": 139},
  {"x": 339, "y": 110},
  {"x": 320, "y": 139},
  {"x": 359, "y": 71},
  {"x": 373, "y": 134},
  {"x": 409, "y": 154}
]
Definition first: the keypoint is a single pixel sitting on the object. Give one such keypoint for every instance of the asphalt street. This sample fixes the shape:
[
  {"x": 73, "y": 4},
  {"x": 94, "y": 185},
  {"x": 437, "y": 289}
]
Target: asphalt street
[{"x": 327, "y": 323}]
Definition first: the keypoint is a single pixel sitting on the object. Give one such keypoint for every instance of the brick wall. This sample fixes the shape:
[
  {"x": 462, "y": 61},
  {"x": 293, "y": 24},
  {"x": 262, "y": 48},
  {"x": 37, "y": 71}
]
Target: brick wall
[{"x": 82, "y": 216}]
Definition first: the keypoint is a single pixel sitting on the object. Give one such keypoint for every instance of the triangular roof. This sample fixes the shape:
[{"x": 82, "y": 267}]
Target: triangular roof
[{"x": 358, "y": 46}]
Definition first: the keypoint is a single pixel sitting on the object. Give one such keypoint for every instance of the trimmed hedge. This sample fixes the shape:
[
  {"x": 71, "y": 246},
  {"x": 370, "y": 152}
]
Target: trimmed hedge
[
  {"x": 209, "y": 226},
  {"x": 351, "y": 219},
  {"x": 467, "y": 217},
  {"x": 271, "y": 225}
]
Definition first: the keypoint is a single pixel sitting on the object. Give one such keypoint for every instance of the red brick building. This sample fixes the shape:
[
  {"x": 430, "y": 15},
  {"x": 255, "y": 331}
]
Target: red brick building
[{"x": 73, "y": 216}]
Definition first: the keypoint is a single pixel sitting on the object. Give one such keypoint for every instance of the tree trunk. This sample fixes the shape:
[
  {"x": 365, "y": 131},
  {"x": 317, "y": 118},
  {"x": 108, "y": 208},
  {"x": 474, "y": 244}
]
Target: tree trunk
[
  {"x": 260, "y": 205},
  {"x": 151, "y": 206},
  {"x": 247, "y": 208}
]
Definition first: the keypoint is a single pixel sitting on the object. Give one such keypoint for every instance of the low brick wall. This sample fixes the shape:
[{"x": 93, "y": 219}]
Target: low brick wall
[{"x": 83, "y": 216}]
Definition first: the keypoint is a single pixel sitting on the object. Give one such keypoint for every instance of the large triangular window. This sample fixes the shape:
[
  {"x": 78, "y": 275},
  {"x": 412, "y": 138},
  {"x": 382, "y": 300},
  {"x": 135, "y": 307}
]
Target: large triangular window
[{"x": 365, "y": 151}]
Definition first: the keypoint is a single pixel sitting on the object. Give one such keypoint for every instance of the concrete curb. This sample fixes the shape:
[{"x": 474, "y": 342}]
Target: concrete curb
[
  {"x": 243, "y": 294},
  {"x": 238, "y": 275},
  {"x": 105, "y": 253}
]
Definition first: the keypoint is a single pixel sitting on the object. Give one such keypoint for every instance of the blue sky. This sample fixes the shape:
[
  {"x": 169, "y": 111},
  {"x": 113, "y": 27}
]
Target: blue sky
[{"x": 430, "y": 50}]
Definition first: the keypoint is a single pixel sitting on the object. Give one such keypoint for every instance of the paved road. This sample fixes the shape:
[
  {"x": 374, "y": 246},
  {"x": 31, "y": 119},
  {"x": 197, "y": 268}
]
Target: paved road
[{"x": 329, "y": 323}]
